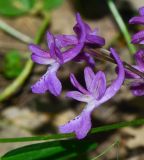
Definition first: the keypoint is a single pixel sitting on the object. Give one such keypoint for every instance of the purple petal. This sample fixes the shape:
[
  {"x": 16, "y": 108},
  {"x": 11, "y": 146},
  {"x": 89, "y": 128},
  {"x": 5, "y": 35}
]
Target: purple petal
[
  {"x": 59, "y": 55},
  {"x": 117, "y": 83},
  {"x": 80, "y": 125},
  {"x": 38, "y": 51},
  {"x": 141, "y": 11},
  {"x": 80, "y": 29},
  {"x": 72, "y": 53},
  {"x": 48, "y": 81},
  {"x": 131, "y": 75},
  {"x": 77, "y": 85},
  {"x": 138, "y": 38},
  {"x": 51, "y": 44},
  {"x": 94, "y": 32},
  {"x": 54, "y": 50},
  {"x": 83, "y": 56},
  {"x": 65, "y": 40},
  {"x": 98, "y": 85},
  {"x": 96, "y": 40},
  {"x": 54, "y": 84},
  {"x": 87, "y": 28},
  {"x": 137, "y": 88},
  {"x": 89, "y": 76},
  {"x": 78, "y": 96},
  {"x": 137, "y": 20},
  {"x": 41, "y": 60},
  {"x": 40, "y": 86},
  {"x": 89, "y": 59},
  {"x": 139, "y": 57}
]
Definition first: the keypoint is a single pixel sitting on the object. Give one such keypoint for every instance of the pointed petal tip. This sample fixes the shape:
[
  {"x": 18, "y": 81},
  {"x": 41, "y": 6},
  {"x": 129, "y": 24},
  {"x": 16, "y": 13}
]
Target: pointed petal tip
[
  {"x": 78, "y": 15},
  {"x": 30, "y": 46},
  {"x": 130, "y": 21},
  {"x": 49, "y": 33}
]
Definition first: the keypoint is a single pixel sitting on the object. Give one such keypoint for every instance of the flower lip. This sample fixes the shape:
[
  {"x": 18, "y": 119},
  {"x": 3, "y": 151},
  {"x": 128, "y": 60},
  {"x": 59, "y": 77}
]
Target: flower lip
[{"x": 48, "y": 82}]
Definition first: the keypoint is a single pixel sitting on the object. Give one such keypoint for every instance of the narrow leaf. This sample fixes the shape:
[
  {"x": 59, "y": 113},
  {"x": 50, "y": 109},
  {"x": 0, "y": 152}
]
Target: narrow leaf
[
  {"x": 51, "y": 150},
  {"x": 56, "y": 137}
]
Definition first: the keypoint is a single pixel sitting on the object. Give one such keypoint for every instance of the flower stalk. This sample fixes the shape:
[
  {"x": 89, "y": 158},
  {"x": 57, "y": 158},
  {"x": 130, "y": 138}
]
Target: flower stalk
[
  {"x": 121, "y": 25},
  {"x": 103, "y": 54}
]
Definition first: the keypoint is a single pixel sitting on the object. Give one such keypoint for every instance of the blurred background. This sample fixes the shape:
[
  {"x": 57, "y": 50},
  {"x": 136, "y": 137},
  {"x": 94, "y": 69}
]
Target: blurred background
[{"x": 27, "y": 114}]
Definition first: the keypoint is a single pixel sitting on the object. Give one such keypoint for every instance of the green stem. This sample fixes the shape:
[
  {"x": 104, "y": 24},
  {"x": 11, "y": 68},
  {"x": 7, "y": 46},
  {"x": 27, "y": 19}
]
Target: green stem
[
  {"x": 121, "y": 25},
  {"x": 106, "y": 150},
  {"x": 57, "y": 137},
  {"x": 13, "y": 32},
  {"x": 19, "y": 81}
]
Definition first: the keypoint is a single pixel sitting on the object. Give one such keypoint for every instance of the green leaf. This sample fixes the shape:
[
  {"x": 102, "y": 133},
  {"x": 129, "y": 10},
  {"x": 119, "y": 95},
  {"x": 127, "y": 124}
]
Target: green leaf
[
  {"x": 51, "y": 4},
  {"x": 13, "y": 65},
  {"x": 57, "y": 137},
  {"x": 15, "y": 7},
  {"x": 60, "y": 150}
]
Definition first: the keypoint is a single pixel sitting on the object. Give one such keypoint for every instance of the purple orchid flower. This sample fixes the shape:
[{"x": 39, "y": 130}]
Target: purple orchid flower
[
  {"x": 90, "y": 39},
  {"x": 55, "y": 58},
  {"x": 137, "y": 85},
  {"x": 95, "y": 94},
  {"x": 62, "y": 48},
  {"x": 138, "y": 38}
]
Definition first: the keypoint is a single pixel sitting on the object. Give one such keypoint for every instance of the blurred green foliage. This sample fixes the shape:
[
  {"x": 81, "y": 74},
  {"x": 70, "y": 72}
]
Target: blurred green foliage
[
  {"x": 60, "y": 150},
  {"x": 15, "y": 7},
  {"x": 51, "y": 4},
  {"x": 12, "y": 65},
  {"x": 19, "y": 7}
]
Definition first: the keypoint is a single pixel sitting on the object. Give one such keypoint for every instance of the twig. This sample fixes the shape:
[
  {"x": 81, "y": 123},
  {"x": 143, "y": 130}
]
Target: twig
[
  {"x": 13, "y": 32},
  {"x": 106, "y": 150}
]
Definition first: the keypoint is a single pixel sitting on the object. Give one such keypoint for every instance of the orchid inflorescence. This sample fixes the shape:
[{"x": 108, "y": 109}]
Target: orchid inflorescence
[
  {"x": 137, "y": 85},
  {"x": 64, "y": 48}
]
